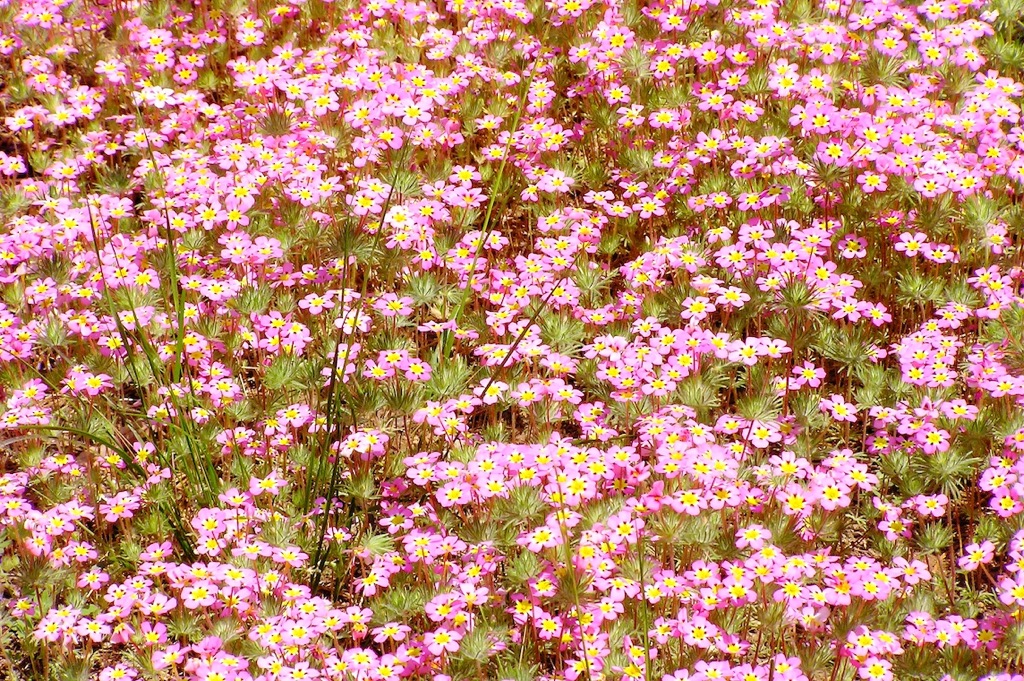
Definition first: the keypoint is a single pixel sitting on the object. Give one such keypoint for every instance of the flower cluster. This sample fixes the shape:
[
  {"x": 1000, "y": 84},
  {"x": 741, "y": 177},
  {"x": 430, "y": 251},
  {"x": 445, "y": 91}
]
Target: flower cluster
[{"x": 564, "y": 340}]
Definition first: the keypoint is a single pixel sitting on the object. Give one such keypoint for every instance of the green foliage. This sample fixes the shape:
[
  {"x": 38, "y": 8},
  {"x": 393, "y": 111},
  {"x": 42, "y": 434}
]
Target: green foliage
[
  {"x": 401, "y": 605},
  {"x": 934, "y": 538},
  {"x": 450, "y": 377}
]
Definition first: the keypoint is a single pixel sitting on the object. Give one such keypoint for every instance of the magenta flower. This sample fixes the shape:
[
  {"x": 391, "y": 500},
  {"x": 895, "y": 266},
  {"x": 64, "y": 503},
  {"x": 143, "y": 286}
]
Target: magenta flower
[
  {"x": 200, "y": 595},
  {"x": 976, "y": 555},
  {"x": 840, "y": 409},
  {"x": 440, "y": 641},
  {"x": 122, "y": 505}
]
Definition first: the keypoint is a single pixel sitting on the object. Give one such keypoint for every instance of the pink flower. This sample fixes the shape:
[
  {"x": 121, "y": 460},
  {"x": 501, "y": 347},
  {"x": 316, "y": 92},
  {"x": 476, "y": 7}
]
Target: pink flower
[
  {"x": 932, "y": 439},
  {"x": 122, "y": 505},
  {"x": 540, "y": 538},
  {"x": 976, "y": 555},
  {"x": 315, "y": 303},
  {"x": 877, "y": 313},
  {"x": 153, "y": 633},
  {"x": 390, "y": 305},
  {"x": 875, "y": 669},
  {"x": 377, "y": 372},
  {"x": 416, "y": 370},
  {"x": 172, "y": 655},
  {"x": 94, "y": 579},
  {"x": 696, "y": 309},
  {"x": 200, "y": 595},
  {"x": 289, "y": 555},
  {"x": 442, "y": 641},
  {"x": 911, "y": 244},
  {"x": 1012, "y": 590},
  {"x": 753, "y": 536},
  {"x": 455, "y": 493},
  {"x": 840, "y": 409},
  {"x": 272, "y": 484},
  {"x": 808, "y": 374},
  {"x": 872, "y": 182}
]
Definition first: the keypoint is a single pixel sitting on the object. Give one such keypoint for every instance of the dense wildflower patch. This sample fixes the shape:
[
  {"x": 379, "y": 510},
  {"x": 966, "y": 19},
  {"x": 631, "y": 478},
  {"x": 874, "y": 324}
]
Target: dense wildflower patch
[{"x": 641, "y": 339}]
